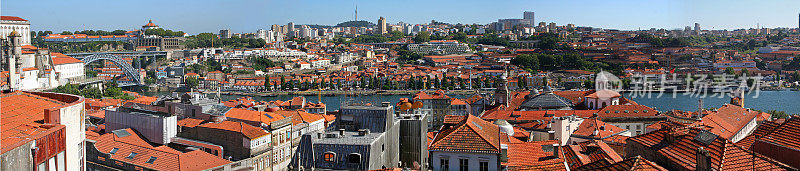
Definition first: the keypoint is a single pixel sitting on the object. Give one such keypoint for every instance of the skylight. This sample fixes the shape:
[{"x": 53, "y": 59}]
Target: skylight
[
  {"x": 132, "y": 155},
  {"x": 479, "y": 127},
  {"x": 113, "y": 150},
  {"x": 151, "y": 160}
]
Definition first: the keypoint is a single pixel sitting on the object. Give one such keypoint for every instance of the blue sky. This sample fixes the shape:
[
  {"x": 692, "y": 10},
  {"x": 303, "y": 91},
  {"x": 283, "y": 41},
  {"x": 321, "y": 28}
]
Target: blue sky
[{"x": 198, "y": 16}]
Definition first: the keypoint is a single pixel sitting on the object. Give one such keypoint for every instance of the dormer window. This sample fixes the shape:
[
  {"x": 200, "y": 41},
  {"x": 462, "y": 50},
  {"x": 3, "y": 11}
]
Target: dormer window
[
  {"x": 354, "y": 158},
  {"x": 329, "y": 156}
]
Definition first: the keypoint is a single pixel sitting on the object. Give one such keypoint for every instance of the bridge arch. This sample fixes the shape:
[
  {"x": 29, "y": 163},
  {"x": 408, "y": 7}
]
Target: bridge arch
[{"x": 126, "y": 68}]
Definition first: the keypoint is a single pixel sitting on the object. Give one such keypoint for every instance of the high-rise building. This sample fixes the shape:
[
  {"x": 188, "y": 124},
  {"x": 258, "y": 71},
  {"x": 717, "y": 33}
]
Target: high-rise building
[
  {"x": 697, "y": 28},
  {"x": 528, "y": 15},
  {"x": 276, "y": 28},
  {"x": 290, "y": 30},
  {"x": 225, "y": 34},
  {"x": 382, "y": 26}
]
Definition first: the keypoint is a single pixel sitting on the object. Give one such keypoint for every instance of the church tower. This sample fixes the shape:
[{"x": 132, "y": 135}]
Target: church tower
[
  {"x": 501, "y": 95},
  {"x": 14, "y": 51}
]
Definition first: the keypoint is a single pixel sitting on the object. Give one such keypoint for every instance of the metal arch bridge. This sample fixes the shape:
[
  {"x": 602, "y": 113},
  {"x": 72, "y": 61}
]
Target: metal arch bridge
[{"x": 129, "y": 71}]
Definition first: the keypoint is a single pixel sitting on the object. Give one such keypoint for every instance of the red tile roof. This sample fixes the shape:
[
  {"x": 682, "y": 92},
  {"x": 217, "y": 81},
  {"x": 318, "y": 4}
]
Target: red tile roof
[
  {"x": 533, "y": 156},
  {"x": 617, "y": 111},
  {"x": 630, "y": 164},
  {"x": 588, "y": 127},
  {"x": 729, "y": 119},
  {"x": 12, "y": 18},
  {"x": 189, "y": 122},
  {"x": 300, "y": 116},
  {"x": 679, "y": 146},
  {"x": 65, "y": 60},
  {"x": 248, "y": 131},
  {"x": 762, "y": 130},
  {"x": 166, "y": 157},
  {"x": 604, "y": 94},
  {"x": 20, "y": 113},
  {"x": 471, "y": 135},
  {"x": 589, "y": 151},
  {"x": 253, "y": 116}
]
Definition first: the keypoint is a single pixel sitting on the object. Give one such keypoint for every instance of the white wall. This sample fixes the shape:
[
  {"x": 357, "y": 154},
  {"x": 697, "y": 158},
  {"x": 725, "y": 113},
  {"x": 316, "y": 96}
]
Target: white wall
[
  {"x": 453, "y": 159},
  {"x": 73, "y": 118},
  {"x": 70, "y": 70}
]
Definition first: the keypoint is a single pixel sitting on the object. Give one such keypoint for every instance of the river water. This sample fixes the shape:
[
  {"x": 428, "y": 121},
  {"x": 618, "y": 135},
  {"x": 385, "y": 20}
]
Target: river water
[{"x": 788, "y": 101}]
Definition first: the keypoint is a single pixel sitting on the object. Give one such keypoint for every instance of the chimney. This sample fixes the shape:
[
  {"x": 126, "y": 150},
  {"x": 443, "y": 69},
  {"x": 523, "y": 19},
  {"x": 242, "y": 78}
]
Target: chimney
[
  {"x": 52, "y": 116},
  {"x": 703, "y": 160},
  {"x": 503, "y": 152},
  {"x": 341, "y": 132},
  {"x": 555, "y": 150},
  {"x": 670, "y": 137},
  {"x": 363, "y": 132}
]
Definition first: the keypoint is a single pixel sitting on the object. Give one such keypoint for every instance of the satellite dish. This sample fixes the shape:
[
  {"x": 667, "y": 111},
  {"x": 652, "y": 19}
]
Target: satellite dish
[
  {"x": 417, "y": 105},
  {"x": 405, "y": 106}
]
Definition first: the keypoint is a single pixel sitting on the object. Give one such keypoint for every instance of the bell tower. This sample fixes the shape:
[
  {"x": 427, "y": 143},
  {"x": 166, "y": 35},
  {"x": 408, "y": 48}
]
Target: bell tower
[{"x": 13, "y": 52}]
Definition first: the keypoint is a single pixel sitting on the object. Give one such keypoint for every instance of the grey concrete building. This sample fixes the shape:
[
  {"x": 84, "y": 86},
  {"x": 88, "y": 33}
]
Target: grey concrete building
[
  {"x": 163, "y": 43},
  {"x": 414, "y": 141},
  {"x": 364, "y": 138},
  {"x": 157, "y": 127}
]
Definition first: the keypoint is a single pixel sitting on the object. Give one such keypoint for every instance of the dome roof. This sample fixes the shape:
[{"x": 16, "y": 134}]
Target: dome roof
[
  {"x": 505, "y": 127},
  {"x": 150, "y": 24},
  {"x": 547, "y": 101}
]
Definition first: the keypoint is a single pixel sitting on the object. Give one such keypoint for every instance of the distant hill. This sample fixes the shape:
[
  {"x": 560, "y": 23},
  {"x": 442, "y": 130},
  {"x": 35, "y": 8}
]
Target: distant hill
[{"x": 355, "y": 24}]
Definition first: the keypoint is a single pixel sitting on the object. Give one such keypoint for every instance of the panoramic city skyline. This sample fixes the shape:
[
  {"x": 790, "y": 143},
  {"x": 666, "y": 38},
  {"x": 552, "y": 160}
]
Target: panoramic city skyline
[{"x": 247, "y": 16}]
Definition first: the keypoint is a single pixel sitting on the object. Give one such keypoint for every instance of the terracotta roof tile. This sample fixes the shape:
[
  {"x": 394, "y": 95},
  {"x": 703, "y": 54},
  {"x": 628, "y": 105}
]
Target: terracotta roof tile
[
  {"x": 630, "y": 164},
  {"x": 471, "y": 135},
  {"x": 589, "y": 151},
  {"x": 536, "y": 155},
  {"x": 237, "y": 127},
  {"x": 679, "y": 145},
  {"x": 165, "y": 158}
]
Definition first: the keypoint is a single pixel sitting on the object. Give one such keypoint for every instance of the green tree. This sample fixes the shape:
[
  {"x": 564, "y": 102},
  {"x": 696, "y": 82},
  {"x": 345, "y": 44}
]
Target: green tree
[
  {"x": 267, "y": 85},
  {"x": 91, "y": 92},
  {"x": 192, "y": 82},
  {"x": 730, "y": 71},
  {"x": 283, "y": 82},
  {"x": 778, "y": 114},
  {"x": 422, "y": 36},
  {"x": 525, "y": 61}
]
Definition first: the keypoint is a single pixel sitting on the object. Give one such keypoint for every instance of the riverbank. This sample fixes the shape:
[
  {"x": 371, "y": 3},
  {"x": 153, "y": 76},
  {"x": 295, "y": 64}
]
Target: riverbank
[{"x": 342, "y": 93}]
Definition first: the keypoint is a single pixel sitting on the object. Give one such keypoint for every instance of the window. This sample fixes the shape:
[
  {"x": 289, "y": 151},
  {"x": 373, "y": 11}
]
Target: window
[
  {"x": 113, "y": 151},
  {"x": 132, "y": 155},
  {"x": 328, "y": 156},
  {"x": 484, "y": 166},
  {"x": 151, "y": 160},
  {"x": 463, "y": 164},
  {"x": 444, "y": 164},
  {"x": 354, "y": 158}
]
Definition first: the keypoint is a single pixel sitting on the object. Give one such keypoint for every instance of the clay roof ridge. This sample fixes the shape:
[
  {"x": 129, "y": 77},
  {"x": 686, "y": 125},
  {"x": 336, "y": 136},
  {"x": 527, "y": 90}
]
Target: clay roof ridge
[
  {"x": 114, "y": 138},
  {"x": 484, "y": 136}
]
